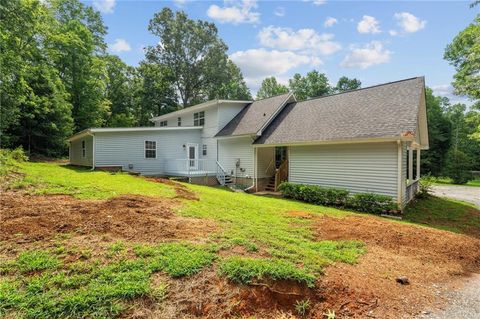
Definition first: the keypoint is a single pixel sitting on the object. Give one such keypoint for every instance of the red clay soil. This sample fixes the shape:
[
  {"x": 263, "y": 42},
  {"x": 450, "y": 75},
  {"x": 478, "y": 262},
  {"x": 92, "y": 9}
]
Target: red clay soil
[
  {"x": 31, "y": 218},
  {"x": 427, "y": 257}
]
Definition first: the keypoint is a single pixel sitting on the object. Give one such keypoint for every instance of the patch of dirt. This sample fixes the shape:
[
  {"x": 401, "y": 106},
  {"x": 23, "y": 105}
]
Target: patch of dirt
[
  {"x": 30, "y": 218},
  {"x": 427, "y": 257},
  {"x": 181, "y": 190}
]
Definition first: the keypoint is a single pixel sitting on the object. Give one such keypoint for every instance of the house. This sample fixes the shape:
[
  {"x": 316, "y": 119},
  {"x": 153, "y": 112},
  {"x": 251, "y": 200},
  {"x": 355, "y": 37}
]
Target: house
[{"x": 362, "y": 140}]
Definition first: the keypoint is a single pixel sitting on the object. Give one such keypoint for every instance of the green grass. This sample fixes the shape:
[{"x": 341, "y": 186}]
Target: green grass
[
  {"x": 448, "y": 181},
  {"x": 446, "y": 214},
  {"x": 52, "y": 178},
  {"x": 92, "y": 288}
]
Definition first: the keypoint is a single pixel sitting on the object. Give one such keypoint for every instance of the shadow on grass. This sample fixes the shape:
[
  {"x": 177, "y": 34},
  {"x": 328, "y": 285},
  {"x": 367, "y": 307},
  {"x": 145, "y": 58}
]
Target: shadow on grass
[{"x": 446, "y": 214}]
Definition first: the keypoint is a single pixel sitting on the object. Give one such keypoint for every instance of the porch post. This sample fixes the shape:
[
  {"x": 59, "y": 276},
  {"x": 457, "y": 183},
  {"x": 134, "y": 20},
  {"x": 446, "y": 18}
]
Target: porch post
[
  {"x": 255, "y": 165},
  {"x": 410, "y": 165},
  {"x": 418, "y": 164}
]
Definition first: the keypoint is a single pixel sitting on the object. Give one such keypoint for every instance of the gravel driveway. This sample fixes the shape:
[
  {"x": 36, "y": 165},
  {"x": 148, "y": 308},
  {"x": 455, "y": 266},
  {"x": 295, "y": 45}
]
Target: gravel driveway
[{"x": 464, "y": 193}]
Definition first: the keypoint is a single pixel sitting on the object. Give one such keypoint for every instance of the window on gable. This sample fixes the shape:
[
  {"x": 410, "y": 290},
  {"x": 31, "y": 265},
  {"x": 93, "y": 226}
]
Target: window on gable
[
  {"x": 204, "y": 150},
  {"x": 163, "y": 123},
  {"x": 84, "y": 149},
  {"x": 179, "y": 123},
  {"x": 150, "y": 149},
  {"x": 199, "y": 118}
]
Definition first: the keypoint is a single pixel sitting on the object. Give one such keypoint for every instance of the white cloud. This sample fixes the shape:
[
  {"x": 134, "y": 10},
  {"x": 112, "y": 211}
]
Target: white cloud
[
  {"x": 366, "y": 56},
  {"x": 120, "y": 45},
  {"x": 393, "y": 33},
  {"x": 330, "y": 21},
  {"x": 368, "y": 24},
  {"x": 180, "y": 3},
  {"x": 316, "y": 2},
  {"x": 104, "y": 6},
  {"x": 235, "y": 12},
  {"x": 442, "y": 89},
  {"x": 305, "y": 40},
  {"x": 257, "y": 64},
  {"x": 279, "y": 11},
  {"x": 409, "y": 23}
]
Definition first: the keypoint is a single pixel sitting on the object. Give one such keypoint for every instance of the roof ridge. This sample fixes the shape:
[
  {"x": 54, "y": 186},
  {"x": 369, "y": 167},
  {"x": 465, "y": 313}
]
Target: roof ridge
[
  {"x": 270, "y": 97},
  {"x": 360, "y": 89}
]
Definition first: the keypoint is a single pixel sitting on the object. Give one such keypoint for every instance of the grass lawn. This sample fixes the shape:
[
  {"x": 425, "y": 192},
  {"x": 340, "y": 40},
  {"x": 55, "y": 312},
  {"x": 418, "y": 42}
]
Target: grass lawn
[
  {"x": 42, "y": 283},
  {"x": 445, "y": 213},
  {"x": 448, "y": 181}
]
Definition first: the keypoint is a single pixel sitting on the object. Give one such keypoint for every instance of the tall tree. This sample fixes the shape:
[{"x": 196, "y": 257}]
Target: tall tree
[
  {"x": 155, "y": 92},
  {"x": 233, "y": 86},
  {"x": 78, "y": 48},
  {"x": 191, "y": 51},
  {"x": 346, "y": 84},
  {"x": 270, "y": 87},
  {"x": 314, "y": 84},
  {"x": 35, "y": 113},
  {"x": 439, "y": 134}
]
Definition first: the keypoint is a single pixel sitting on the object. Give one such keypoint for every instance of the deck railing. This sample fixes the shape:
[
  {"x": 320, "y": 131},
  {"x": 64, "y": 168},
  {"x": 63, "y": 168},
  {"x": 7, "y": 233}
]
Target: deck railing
[
  {"x": 220, "y": 173},
  {"x": 282, "y": 174},
  {"x": 189, "y": 167},
  {"x": 412, "y": 190}
]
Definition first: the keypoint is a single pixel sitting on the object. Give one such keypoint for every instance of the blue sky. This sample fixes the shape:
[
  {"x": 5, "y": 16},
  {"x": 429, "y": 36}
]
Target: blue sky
[{"x": 374, "y": 41}]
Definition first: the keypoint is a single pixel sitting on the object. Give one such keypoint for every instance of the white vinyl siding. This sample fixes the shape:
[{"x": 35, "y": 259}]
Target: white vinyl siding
[
  {"x": 231, "y": 149},
  {"x": 76, "y": 152},
  {"x": 124, "y": 148},
  {"x": 366, "y": 167}
]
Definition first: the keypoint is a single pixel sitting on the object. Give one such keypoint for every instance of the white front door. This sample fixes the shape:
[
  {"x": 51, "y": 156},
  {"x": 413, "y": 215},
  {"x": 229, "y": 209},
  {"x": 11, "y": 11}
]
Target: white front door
[{"x": 192, "y": 155}]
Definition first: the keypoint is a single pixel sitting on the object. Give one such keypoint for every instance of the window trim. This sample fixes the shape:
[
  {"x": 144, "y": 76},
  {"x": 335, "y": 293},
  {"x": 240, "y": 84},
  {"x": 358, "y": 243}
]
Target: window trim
[
  {"x": 163, "y": 123},
  {"x": 150, "y": 149},
  {"x": 84, "y": 149},
  {"x": 204, "y": 150},
  {"x": 179, "y": 121},
  {"x": 198, "y": 119}
]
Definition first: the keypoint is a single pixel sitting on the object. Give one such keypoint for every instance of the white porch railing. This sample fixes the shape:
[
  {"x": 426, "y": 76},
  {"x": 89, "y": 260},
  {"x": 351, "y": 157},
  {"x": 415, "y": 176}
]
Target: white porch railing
[
  {"x": 189, "y": 167},
  {"x": 412, "y": 190},
  {"x": 221, "y": 174}
]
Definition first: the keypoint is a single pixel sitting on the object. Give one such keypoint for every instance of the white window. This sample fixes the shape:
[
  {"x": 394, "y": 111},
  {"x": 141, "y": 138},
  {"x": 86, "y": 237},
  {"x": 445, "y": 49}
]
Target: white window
[
  {"x": 199, "y": 118},
  {"x": 179, "y": 121},
  {"x": 163, "y": 123},
  {"x": 150, "y": 149},
  {"x": 204, "y": 150},
  {"x": 84, "y": 149}
]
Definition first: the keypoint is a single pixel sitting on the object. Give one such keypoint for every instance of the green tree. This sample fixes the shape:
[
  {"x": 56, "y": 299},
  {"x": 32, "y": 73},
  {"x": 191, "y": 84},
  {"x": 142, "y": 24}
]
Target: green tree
[
  {"x": 458, "y": 165},
  {"x": 191, "y": 51},
  {"x": 233, "y": 86},
  {"x": 270, "y": 87},
  {"x": 78, "y": 45},
  {"x": 314, "y": 84},
  {"x": 35, "y": 111},
  {"x": 439, "y": 134},
  {"x": 346, "y": 84},
  {"x": 155, "y": 92},
  {"x": 120, "y": 90}
]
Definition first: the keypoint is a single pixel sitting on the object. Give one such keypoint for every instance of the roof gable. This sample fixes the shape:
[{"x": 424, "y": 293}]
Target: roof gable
[
  {"x": 383, "y": 111},
  {"x": 255, "y": 116}
]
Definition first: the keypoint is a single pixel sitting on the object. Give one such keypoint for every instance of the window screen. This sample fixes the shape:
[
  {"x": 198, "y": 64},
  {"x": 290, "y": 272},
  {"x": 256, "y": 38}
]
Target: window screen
[
  {"x": 150, "y": 149},
  {"x": 199, "y": 118}
]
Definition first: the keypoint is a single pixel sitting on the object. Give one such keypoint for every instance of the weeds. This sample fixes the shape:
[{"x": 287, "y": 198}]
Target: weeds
[{"x": 302, "y": 306}]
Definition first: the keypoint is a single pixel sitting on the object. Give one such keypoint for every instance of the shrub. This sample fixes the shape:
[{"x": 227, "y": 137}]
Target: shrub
[
  {"x": 425, "y": 186},
  {"x": 9, "y": 159},
  {"x": 371, "y": 203},
  {"x": 363, "y": 202},
  {"x": 315, "y": 194}
]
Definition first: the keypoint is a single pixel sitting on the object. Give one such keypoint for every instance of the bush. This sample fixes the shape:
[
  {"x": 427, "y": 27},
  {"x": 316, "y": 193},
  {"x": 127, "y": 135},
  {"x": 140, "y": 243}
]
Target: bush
[
  {"x": 9, "y": 159},
  {"x": 315, "y": 194},
  {"x": 371, "y": 203},
  {"x": 363, "y": 202},
  {"x": 425, "y": 186}
]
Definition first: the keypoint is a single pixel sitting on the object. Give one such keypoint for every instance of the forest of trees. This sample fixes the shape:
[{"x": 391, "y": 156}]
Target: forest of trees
[{"x": 58, "y": 78}]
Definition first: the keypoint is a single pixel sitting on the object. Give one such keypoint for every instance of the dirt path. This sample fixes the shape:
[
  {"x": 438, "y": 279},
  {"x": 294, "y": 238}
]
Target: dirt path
[{"x": 464, "y": 193}]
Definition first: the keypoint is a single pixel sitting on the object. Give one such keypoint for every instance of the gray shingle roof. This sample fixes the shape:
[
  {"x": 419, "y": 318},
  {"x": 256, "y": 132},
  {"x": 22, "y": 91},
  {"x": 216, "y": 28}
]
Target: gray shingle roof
[
  {"x": 251, "y": 119},
  {"x": 386, "y": 110}
]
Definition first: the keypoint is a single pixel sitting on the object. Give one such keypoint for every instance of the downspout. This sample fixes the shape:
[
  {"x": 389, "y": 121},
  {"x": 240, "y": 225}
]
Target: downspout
[
  {"x": 93, "y": 152},
  {"x": 399, "y": 174}
]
